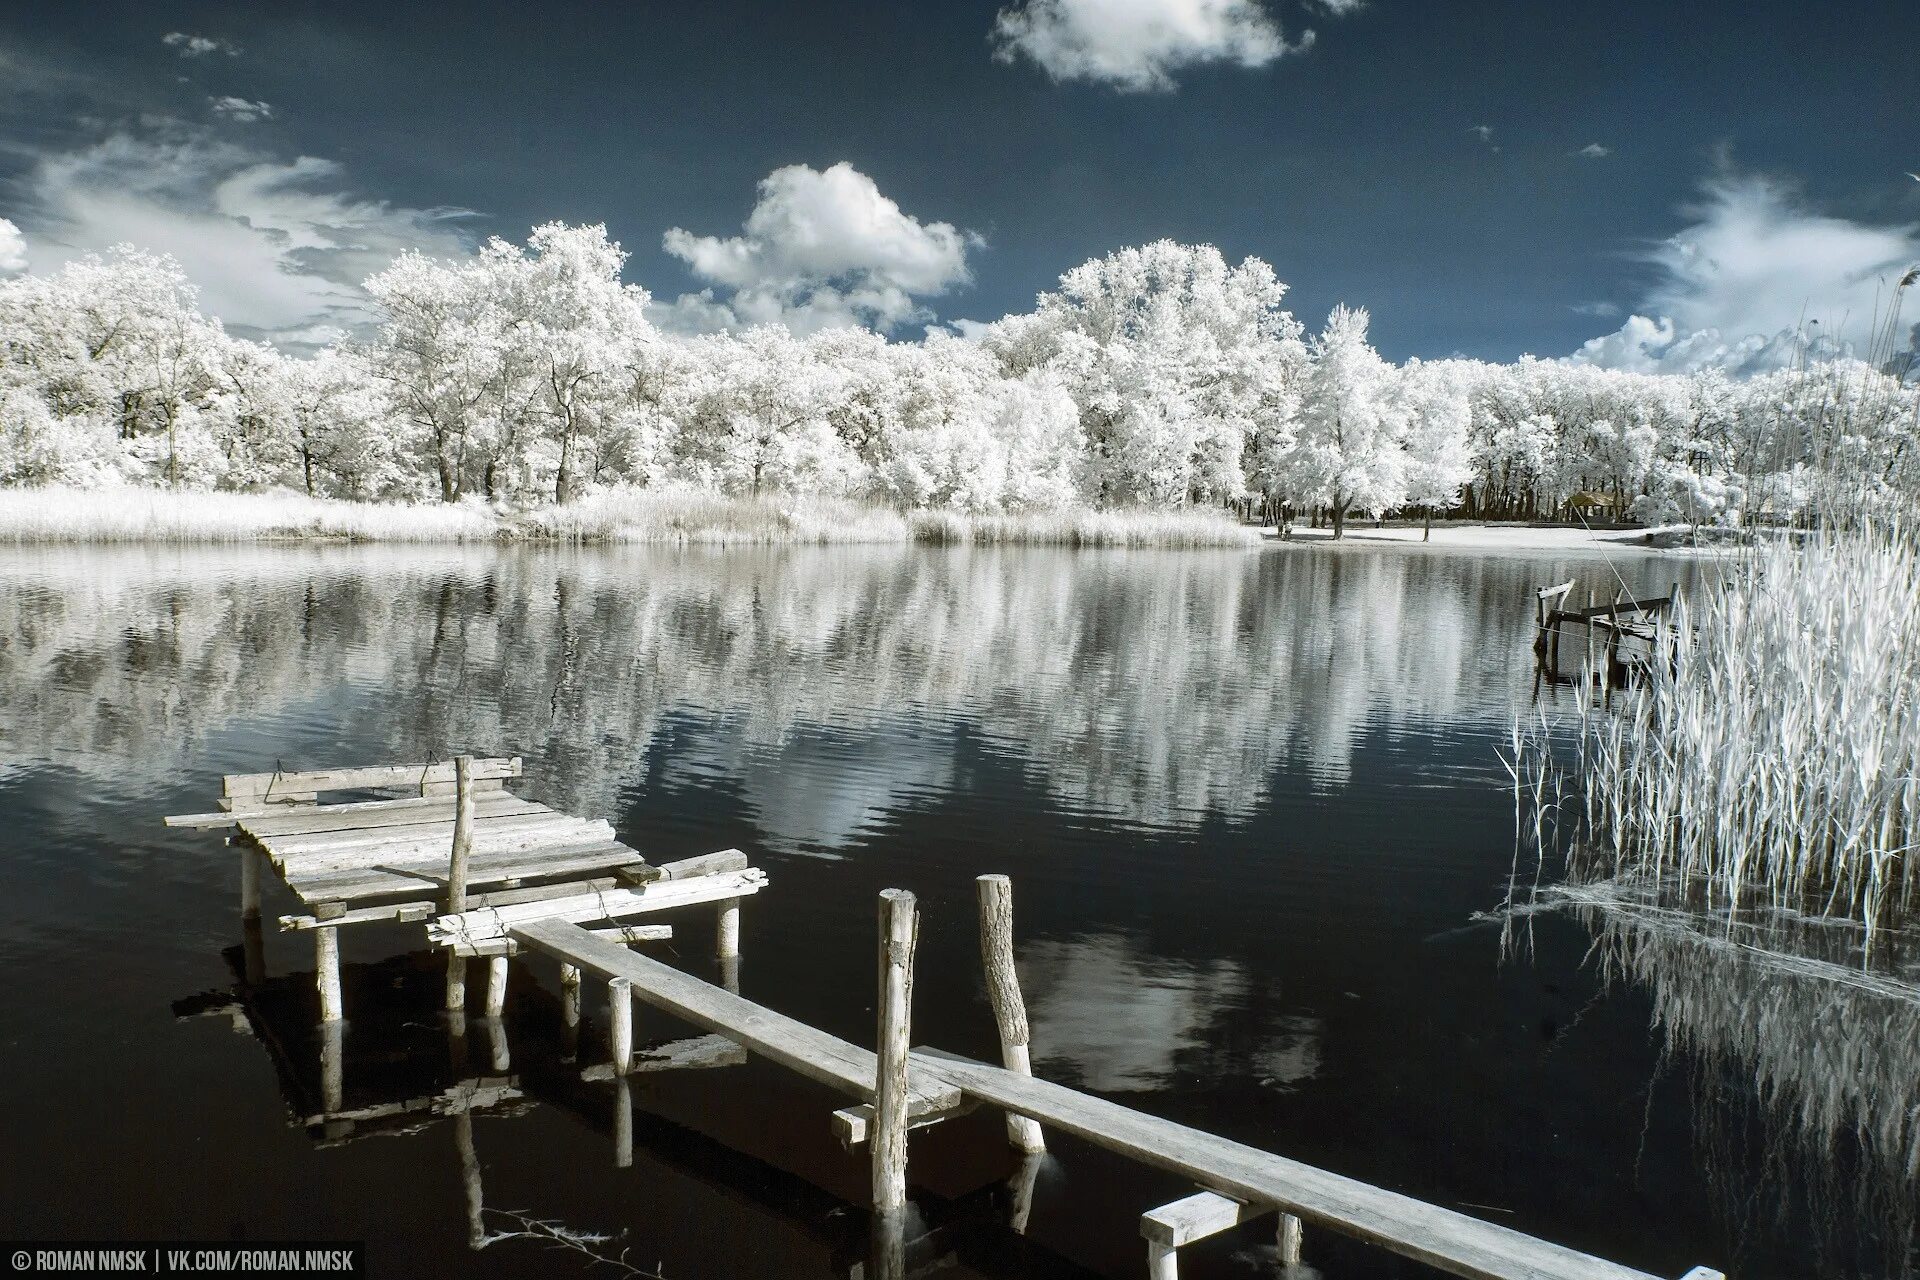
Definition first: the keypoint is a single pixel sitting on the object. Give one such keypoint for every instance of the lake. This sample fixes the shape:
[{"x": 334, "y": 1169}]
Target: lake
[{"x": 1251, "y": 804}]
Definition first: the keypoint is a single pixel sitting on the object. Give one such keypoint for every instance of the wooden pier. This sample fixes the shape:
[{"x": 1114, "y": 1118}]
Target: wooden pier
[
  {"x": 562, "y": 888},
  {"x": 1621, "y": 637}
]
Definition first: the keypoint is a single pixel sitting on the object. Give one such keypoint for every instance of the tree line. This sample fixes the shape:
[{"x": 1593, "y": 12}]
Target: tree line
[{"x": 1159, "y": 376}]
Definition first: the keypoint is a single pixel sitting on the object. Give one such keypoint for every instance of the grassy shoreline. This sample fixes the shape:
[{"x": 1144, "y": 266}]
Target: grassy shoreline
[{"x": 660, "y": 517}]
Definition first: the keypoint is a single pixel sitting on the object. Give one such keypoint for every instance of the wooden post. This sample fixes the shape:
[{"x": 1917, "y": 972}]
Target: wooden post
[
  {"x": 726, "y": 939},
  {"x": 1003, "y": 992},
  {"x": 457, "y": 874},
  {"x": 1020, "y": 1192},
  {"x": 1289, "y": 1240},
  {"x": 496, "y": 986},
  {"x": 249, "y": 884},
  {"x": 1163, "y": 1261},
  {"x": 326, "y": 963},
  {"x": 570, "y": 1007},
  {"x": 620, "y": 1018},
  {"x": 730, "y": 974},
  {"x": 253, "y": 950},
  {"x": 899, "y": 931}
]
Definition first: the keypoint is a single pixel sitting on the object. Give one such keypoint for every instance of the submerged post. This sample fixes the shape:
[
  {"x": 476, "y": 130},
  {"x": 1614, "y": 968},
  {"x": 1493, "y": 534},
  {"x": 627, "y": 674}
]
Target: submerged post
[
  {"x": 620, "y": 1019},
  {"x": 899, "y": 930},
  {"x": 326, "y": 963},
  {"x": 496, "y": 986},
  {"x": 457, "y": 875},
  {"x": 1003, "y": 993}
]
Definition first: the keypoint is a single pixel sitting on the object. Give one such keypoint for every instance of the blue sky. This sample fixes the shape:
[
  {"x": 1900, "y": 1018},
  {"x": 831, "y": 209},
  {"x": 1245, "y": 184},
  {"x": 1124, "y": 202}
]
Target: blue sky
[{"x": 1438, "y": 163}]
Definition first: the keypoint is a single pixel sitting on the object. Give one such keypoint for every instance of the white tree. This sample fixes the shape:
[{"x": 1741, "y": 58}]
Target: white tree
[
  {"x": 1437, "y": 399},
  {"x": 1349, "y": 450}
]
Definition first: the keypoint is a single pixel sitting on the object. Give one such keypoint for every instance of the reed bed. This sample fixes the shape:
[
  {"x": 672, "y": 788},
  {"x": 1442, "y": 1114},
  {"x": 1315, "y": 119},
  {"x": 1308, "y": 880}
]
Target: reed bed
[
  {"x": 1804, "y": 1070},
  {"x": 157, "y": 515},
  {"x": 662, "y": 515},
  {"x": 1773, "y": 753}
]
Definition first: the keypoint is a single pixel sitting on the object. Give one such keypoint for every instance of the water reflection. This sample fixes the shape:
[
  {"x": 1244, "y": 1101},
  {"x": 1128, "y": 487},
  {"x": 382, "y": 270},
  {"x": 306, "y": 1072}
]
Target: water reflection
[
  {"x": 1118, "y": 1020},
  {"x": 1804, "y": 1075},
  {"x": 1155, "y": 689}
]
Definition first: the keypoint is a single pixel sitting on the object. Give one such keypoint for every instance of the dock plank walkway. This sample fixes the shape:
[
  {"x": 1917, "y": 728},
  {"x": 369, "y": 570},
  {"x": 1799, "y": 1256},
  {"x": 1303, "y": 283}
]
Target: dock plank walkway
[
  {"x": 810, "y": 1052},
  {"x": 1454, "y": 1242}
]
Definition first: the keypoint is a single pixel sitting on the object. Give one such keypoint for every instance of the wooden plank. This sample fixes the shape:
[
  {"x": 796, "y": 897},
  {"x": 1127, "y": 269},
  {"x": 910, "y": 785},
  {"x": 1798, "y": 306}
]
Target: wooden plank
[
  {"x": 504, "y": 868},
  {"x": 791, "y": 1043},
  {"x": 479, "y": 927},
  {"x": 232, "y": 814},
  {"x": 1453, "y": 1242},
  {"x": 555, "y": 834},
  {"x": 1202, "y": 1214},
  {"x": 426, "y": 908},
  {"x": 626, "y": 935},
  {"x": 436, "y": 835},
  {"x": 382, "y": 814},
  {"x": 851, "y": 1125},
  {"x": 361, "y": 777}
]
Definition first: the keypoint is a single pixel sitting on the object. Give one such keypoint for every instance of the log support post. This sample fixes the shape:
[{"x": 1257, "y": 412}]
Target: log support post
[
  {"x": 457, "y": 875},
  {"x": 726, "y": 934},
  {"x": 1200, "y": 1215},
  {"x": 249, "y": 884},
  {"x": 899, "y": 931},
  {"x": 496, "y": 986},
  {"x": 333, "y": 1065},
  {"x": 1003, "y": 992},
  {"x": 326, "y": 964},
  {"x": 620, "y": 1022}
]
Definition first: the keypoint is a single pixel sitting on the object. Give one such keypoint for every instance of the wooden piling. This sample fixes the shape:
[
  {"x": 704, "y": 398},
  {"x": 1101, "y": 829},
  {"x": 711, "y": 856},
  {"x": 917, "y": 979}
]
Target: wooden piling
[
  {"x": 899, "y": 931},
  {"x": 249, "y": 884},
  {"x": 496, "y": 986},
  {"x": 470, "y": 1180},
  {"x": 326, "y": 964},
  {"x": 620, "y": 1022},
  {"x": 457, "y": 874},
  {"x": 1003, "y": 993},
  {"x": 1289, "y": 1240},
  {"x": 726, "y": 939}
]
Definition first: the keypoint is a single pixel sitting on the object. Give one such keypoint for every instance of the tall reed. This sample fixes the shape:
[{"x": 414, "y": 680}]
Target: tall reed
[{"x": 1773, "y": 753}]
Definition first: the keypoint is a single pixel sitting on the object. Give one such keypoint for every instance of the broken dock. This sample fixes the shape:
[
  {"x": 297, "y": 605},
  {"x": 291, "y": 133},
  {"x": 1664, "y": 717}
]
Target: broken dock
[{"x": 496, "y": 877}]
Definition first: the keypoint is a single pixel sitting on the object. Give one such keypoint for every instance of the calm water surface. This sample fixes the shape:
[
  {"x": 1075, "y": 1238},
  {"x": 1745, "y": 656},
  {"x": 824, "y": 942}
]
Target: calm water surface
[{"x": 1251, "y": 804}]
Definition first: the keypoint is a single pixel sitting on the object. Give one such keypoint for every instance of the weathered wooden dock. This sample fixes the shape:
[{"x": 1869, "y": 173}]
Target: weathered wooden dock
[
  {"x": 1621, "y": 637},
  {"x": 562, "y": 888}
]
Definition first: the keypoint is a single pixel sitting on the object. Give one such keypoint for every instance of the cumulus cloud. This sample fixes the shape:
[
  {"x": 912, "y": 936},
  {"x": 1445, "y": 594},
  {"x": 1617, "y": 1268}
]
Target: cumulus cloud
[
  {"x": 1594, "y": 151},
  {"x": 1759, "y": 280},
  {"x": 192, "y": 46},
  {"x": 278, "y": 247},
  {"x": 1603, "y": 310},
  {"x": 13, "y": 248},
  {"x": 822, "y": 248},
  {"x": 1138, "y": 45},
  {"x": 240, "y": 110},
  {"x": 1339, "y": 8}
]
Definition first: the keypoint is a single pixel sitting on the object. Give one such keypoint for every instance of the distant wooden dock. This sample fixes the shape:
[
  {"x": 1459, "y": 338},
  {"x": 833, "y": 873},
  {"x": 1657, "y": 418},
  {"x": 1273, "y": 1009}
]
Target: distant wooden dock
[
  {"x": 1621, "y": 638},
  {"x": 495, "y": 876}
]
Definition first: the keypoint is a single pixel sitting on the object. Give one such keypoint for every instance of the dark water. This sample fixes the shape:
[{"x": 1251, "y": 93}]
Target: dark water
[{"x": 1250, "y": 804}]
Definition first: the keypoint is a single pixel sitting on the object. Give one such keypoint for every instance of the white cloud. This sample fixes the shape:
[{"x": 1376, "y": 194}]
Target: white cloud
[
  {"x": 192, "y": 46},
  {"x": 240, "y": 110},
  {"x": 1138, "y": 45},
  {"x": 1484, "y": 132},
  {"x": 1593, "y": 151},
  {"x": 13, "y": 248},
  {"x": 1602, "y": 310},
  {"x": 1339, "y": 8},
  {"x": 277, "y": 247},
  {"x": 822, "y": 248},
  {"x": 1759, "y": 280}
]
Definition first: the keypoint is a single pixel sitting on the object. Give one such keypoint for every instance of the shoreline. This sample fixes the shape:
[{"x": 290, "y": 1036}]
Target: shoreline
[{"x": 1494, "y": 536}]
